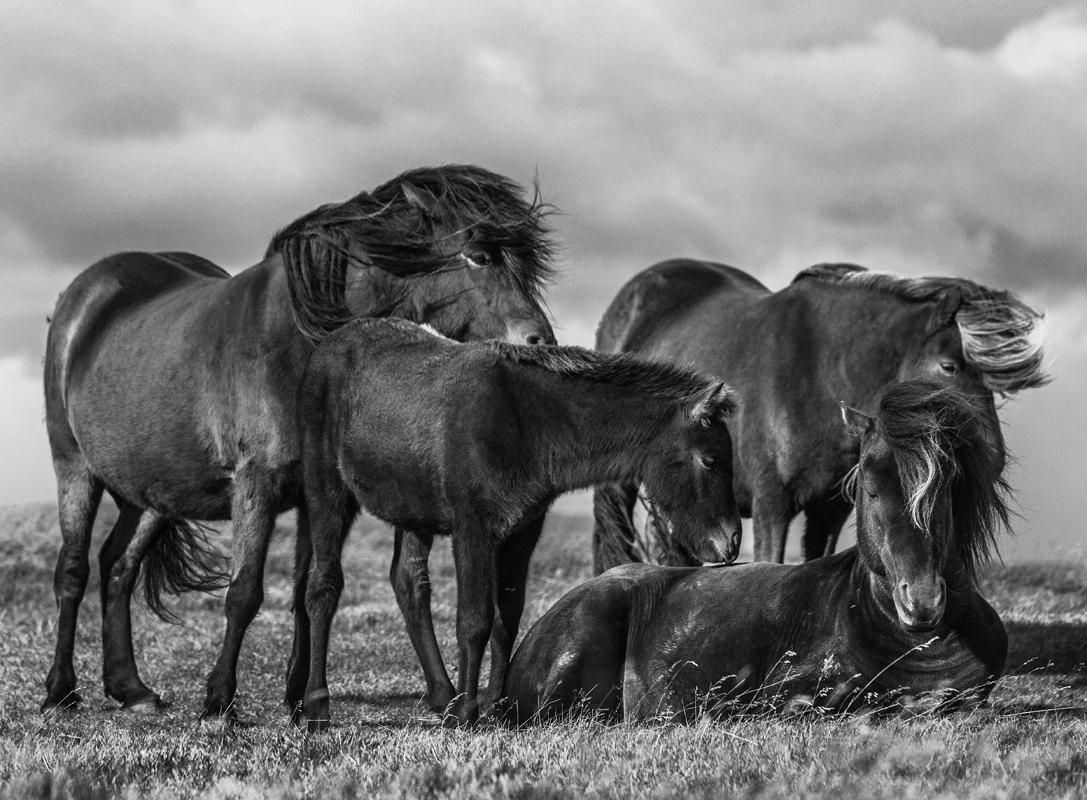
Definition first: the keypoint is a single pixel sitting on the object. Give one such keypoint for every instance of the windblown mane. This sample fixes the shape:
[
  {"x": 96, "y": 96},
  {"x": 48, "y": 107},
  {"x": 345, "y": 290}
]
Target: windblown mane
[
  {"x": 1001, "y": 335},
  {"x": 659, "y": 378},
  {"x": 939, "y": 440},
  {"x": 401, "y": 228}
]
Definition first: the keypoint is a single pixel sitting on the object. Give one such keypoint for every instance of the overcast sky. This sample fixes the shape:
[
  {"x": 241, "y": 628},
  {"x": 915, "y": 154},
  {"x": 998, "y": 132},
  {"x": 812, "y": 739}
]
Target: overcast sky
[{"x": 922, "y": 138}]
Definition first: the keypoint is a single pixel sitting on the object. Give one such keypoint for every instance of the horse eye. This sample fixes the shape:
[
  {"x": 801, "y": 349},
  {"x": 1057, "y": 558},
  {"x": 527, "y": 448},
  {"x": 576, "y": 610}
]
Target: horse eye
[
  {"x": 478, "y": 259},
  {"x": 707, "y": 462},
  {"x": 949, "y": 367}
]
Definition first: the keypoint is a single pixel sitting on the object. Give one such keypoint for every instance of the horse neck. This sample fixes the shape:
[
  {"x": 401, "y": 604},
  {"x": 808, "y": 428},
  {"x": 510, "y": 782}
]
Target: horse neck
[
  {"x": 862, "y": 335},
  {"x": 606, "y": 434}
]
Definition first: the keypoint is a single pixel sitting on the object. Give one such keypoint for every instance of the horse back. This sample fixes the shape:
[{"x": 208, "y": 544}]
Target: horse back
[
  {"x": 105, "y": 292},
  {"x": 660, "y": 300}
]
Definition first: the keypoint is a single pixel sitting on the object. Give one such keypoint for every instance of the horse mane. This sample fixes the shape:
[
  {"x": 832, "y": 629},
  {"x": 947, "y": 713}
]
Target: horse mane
[
  {"x": 941, "y": 440},
  {"x": 658, "y": 378},
  {"x": 400, "y": 227},
  {"x": 1001, "y": 335}
]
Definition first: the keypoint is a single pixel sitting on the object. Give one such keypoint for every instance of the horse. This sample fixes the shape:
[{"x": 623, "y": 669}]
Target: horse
[
  {"x": 172, "y": 386},
  {"x": 838, "y": 331},
  {"x": 894, "y": 622},
  {"x": 469, "y": 440}
]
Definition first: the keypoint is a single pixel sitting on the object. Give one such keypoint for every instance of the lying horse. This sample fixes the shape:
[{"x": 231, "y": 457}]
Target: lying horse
[
  {"x": 469, "y": 440},
  {"x": 898, "y": 614},
  {"x": 838, "y": 332},
  {"x": 172, "y": 385}
]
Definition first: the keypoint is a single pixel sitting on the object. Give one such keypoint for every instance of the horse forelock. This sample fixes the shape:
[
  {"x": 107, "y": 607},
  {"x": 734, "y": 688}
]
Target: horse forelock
[
  {"x": 939, "y": 440},
  {"x": 392, "y": 230},
  {"x": 1001, "y": 335},
  {"x": 657, "y": 378}
]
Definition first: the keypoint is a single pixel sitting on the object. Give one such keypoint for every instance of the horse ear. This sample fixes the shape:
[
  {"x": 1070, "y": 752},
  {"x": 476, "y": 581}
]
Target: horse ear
[
  {"x": 422, "y": 199},
  {"x": 947, "y": 307},
  {"x": 857, "y": 423},
  {"x": 716, "y": 402}
]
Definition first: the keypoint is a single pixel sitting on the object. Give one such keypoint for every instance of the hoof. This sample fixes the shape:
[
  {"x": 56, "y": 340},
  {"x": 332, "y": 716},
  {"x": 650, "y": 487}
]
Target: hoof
[
  {"x": 318, "y": 725},
  {"x": 67, "y": 702},
  {"x": 439, "y": 700},
  {"x": 461, "y": 714},
  {"x": 146, "y": 706}
]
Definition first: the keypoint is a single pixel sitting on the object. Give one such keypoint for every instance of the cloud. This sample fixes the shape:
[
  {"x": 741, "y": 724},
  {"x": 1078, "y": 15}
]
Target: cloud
[{"x": 919, "y": 138}]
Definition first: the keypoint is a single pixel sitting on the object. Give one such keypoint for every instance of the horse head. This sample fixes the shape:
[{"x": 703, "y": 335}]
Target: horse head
[
  {"x": 929, "y": 494},
  {"x": 690, "y": 480},
  {"x": 458, "y": 248}
]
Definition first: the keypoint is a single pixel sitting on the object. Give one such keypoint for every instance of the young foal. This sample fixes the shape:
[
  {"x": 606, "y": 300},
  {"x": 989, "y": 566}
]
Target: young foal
[
  {"x": 898, "y": 614},
  {"x": 470, "y": 440}
]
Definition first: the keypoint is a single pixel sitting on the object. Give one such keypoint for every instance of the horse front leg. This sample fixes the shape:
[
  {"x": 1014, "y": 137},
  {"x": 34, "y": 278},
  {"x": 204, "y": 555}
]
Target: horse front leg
[
  {"x": 330, "y": 523},
  {"x": 511, "y": 566},
  {"x": 119, "y": 563},
  {"x": 298, "y": 665},
  {"x": 78, "y": 495},
  {"x": 252, "y": 519},
  {"x": 823, "y": 523},
  {"x": 474, "y": 557},
  {"x": 410, "y": 579}
]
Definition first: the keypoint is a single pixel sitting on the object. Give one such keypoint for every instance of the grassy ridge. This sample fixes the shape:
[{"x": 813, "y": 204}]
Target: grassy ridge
[{"x": 1032, "y": 742}]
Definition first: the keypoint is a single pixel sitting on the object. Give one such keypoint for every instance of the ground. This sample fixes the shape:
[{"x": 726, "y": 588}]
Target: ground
[{"x": 1030, "y": 742}]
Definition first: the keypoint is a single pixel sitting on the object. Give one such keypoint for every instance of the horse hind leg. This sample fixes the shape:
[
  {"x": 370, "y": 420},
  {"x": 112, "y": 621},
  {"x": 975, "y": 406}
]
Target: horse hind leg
[
  {"x": 79, "y": 493},
  {"x": 410, "y": 578},
  {"x": 119, "y": 563}
]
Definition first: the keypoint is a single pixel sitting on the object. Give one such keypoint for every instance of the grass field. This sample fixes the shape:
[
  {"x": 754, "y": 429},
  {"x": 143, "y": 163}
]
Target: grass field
[{"x": 1031, "y": 742}]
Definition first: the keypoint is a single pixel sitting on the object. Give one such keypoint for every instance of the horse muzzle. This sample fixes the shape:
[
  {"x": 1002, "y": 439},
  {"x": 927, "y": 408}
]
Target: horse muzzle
[
  {"x": 920, "y": 606},
  {"x": 529, "y": 332},
  {"x": 722, "y": 546}
]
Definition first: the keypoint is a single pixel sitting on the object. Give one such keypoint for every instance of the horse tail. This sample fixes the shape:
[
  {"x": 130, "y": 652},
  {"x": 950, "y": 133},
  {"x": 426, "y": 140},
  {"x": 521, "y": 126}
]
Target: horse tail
[{"x": 181, "y": 559}]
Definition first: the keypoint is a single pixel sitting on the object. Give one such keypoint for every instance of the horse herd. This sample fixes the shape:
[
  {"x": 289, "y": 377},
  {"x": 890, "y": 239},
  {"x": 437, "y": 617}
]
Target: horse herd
[{"x": 391, "y": 353}]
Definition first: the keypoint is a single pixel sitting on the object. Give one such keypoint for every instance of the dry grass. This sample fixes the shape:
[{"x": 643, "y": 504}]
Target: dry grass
[{"x": 1032, "y": 742}]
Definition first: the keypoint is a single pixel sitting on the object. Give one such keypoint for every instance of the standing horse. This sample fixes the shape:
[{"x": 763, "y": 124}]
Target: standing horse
[
  {"x": 469, "y": 440},
  {"x": 837, "y": 332},
  {"x": 896, "y": 615},
  {"x": 172, "y": 386}
]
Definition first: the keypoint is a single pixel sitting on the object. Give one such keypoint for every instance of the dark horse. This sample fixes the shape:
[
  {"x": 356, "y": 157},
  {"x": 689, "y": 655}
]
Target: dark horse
[
  {"x": 896, "y": 616},
  {"x": 470, "y": 440},
  {"x": 837, "y": 332},
  {"x": 172, "y": 386}
]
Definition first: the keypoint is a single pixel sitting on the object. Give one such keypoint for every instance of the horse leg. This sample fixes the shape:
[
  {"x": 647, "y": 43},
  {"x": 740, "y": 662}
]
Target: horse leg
[
  {"x": 253, "y": 517},
  {"x": 474, "y": 557},
  {"x": 330, "y": 524},
  {"x": 410, "y": 578},
  {"x": 613, "y": 526},
  {"x": 119, "y": 564},
  {"x": 511, "y": 564},
  {"x": 771, "y": 513},
  {"x": 298, "y": 666},
  {"x": 823, "y": 522},
  {"x": 78, "y": 495}
]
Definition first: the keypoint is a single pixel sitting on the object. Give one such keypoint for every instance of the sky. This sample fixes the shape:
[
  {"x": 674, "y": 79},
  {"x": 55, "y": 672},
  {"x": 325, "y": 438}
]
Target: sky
[{"x": 922, "y": 138}]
